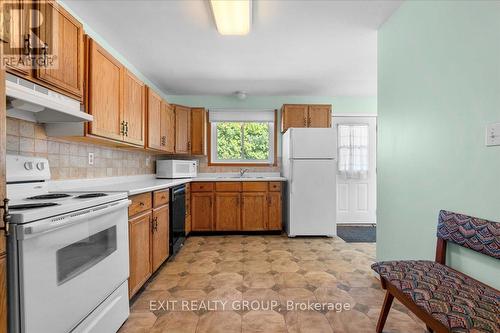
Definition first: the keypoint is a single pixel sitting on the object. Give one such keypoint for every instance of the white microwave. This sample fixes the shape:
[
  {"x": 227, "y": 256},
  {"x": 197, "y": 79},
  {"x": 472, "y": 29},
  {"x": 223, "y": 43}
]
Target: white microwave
[{"x": 176, "y": 168}]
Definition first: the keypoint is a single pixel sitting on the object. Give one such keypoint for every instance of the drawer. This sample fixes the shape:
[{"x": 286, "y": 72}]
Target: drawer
[
  {"x": 202, "y": 187},
  {"x": 140, "y": 203},
  {"x": 228, "y": 186},
  {"x": 275, "y": 186},
  {"x": 160, "y": 198},
  {"x": 254, "y": 186}
]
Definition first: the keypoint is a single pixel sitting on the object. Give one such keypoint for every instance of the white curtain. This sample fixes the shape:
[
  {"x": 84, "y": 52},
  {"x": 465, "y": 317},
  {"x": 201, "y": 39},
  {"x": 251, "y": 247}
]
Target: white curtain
[{"x": 353, "y": 151}]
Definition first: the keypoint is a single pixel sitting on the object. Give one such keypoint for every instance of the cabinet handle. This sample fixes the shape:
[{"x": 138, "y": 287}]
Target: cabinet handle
[
  {"x": 305, "y": 122},
  {"x": 309, "y": 121},
  {"x": 122, "y": 128},
  {"x": 45, "y": 51},
  {"x": 27, "y": 45},
  {"x": 126, "y": 128},
  {"x": 141, "y": 204},
  {"x": 189, "y": 145}
]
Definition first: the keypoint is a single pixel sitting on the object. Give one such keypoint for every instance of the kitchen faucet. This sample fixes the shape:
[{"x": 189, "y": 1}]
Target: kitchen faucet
[{"x": 243, "y": 171}]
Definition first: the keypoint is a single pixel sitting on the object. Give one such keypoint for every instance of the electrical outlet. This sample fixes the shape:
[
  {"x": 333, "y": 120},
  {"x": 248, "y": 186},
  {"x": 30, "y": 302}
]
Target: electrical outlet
[
  {"x": 91, "y": 158},
  {"x": 493, "y": 134},
  {"x": 147, "y": 161}
]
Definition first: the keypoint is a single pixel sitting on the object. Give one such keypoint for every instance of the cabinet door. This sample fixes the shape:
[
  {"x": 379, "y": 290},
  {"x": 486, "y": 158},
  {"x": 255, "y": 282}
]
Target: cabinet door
[
  {"x": 274, "y": 210},
  {"x": 63, "y": 35},
  {"x": 227, "y": 211},
  {"x": 201, "y": 211},
  {"x": 3, "y": 249},
  {"x": 139, "y": 247},
  {"x": 293, "y": 116},
  {"x": 254, "y": 211},
  {"x": 319, "y": 116},
  {"x": 188, "y": 209},
  {"x": 104, "y": 93},
  {"x": 168, "y": 127},
  {"x": 182, "y": 129},
  {"x": 198, "y": 125},
  {"x": 133, "y": 108},
  {"x": 155, "y": 120},
  {"x": 13, "y": 44},
  {"x": 160, "y": 228},
  {"x": 3, "y": 293}
]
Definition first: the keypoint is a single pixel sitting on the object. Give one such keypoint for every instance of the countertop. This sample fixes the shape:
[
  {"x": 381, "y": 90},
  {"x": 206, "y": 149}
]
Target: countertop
[{"x": 140, "y": 184}]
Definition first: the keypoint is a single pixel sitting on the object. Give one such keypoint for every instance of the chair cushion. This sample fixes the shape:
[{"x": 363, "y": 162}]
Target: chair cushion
[{"x": 459, "y": 302}]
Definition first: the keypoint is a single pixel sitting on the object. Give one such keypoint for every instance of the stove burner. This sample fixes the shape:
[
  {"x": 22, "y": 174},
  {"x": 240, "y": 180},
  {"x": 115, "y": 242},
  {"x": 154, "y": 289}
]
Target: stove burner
[
  {"x": 49, "y": 196},
  {"x": 34, "y": 205},
  {"x": 91, "y": 195}
]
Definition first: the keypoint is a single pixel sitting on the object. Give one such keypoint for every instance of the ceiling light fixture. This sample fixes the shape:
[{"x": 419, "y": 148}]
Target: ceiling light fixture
[
  {"x": 241, "y": 95},
  {"x": 232, "y": 17}
]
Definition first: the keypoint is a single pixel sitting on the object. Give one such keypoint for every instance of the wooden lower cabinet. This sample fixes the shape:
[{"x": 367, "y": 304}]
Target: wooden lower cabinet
[
  {"x": 139, "y": 251},
  {"x": 227, "y": 211},
  {"x": 274, "y": 211},
  {"x": 201, "y": 211},
  {"x": 188, "y": 209},
  {"x": 254, "y": 211},
  {"x": 238, "y": 206},
  {"x": 160, "y": 236},
  {"x": 149, "y": 232}
]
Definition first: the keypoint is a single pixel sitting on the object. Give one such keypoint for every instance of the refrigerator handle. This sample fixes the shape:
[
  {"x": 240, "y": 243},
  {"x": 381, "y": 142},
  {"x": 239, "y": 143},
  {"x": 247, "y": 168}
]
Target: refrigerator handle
[{"x": 291, "y": 176}]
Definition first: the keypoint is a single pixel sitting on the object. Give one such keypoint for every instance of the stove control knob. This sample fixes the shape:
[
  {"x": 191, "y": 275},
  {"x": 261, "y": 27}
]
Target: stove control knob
[
  {"x": 28, "y": 165},
  {"x": 40, "y": 166}
]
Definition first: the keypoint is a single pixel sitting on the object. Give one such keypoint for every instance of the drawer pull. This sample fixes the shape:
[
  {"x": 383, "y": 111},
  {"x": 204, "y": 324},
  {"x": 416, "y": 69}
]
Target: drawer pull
[{"x": 141, "y": 204}]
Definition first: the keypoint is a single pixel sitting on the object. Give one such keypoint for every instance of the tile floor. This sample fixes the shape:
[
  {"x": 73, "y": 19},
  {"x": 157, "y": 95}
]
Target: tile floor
[{"x": 264, "y": 280}]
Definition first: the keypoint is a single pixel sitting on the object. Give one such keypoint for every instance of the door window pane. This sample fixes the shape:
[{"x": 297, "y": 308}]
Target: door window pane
[
  {"x": 353, "y": 150},
  {"x": 82, "y": 255}
]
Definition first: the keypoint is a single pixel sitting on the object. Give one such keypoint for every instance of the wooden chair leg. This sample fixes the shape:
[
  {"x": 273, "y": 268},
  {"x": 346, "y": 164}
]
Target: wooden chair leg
[
  {"x": 430, "y": 330},
  {"x": 384, "y": 312}
]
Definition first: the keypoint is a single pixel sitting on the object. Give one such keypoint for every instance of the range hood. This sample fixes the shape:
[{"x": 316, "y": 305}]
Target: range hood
[{"x": 32, "y": 102}]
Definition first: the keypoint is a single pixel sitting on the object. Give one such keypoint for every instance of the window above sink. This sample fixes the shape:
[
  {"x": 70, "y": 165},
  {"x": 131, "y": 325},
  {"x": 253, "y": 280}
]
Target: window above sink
[{"x": 242, "y": 137}]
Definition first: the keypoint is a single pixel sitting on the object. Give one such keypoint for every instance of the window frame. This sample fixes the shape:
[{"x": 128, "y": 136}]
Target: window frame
[{"x": 212, "y": 137}]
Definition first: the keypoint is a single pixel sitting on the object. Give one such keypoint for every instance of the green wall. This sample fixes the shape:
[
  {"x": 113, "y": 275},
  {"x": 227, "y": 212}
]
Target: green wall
[
  {"x": 438, "y": 87},
  {"x": 340, "y": 104}
]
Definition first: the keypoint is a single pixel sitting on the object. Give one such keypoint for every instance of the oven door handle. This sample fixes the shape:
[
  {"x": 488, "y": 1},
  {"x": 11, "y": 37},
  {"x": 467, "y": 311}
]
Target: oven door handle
[{"x": 72, "y": 218}]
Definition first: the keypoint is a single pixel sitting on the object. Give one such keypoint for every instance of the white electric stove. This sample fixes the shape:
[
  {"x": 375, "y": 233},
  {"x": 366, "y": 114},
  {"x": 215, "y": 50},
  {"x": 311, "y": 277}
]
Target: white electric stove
[{"x": 68, "y": 254}]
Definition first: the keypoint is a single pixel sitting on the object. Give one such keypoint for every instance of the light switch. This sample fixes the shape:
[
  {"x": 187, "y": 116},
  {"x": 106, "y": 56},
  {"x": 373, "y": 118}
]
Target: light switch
[{"x": 493, "y": 134}]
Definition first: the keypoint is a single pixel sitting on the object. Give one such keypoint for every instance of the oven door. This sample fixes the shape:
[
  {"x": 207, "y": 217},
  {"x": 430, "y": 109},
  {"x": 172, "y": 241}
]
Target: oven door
[{"x": 69, "y": 264}]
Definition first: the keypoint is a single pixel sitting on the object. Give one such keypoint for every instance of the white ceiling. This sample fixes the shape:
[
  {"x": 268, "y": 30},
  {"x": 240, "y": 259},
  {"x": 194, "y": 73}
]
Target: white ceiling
[{"x": 323, "y": 48}]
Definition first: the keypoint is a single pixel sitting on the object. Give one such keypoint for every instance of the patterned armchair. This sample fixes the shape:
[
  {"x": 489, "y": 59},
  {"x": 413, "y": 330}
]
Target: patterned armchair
[{"x": 445, "y": 299}]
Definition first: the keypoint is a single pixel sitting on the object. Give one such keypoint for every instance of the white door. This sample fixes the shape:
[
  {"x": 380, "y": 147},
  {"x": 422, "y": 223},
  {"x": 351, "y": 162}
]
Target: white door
[
  {"x": 312, "y": 191},
  {"x": 356, "y": 177}
]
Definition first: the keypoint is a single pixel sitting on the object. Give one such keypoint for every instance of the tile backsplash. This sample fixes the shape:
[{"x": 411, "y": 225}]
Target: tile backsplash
[{"x": 69, "y": 160}]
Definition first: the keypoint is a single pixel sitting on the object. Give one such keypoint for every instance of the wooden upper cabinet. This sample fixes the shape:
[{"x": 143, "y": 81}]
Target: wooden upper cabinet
[
  {"x": 182, "y": 129},
  {"x": 134, "y": 106},
  {"x": 319, "y": 116},
  {"x": 104, "y": 90},
  {"x": 198, "y": 131},
  {"x": 201, "y": 211},
  {"x": 168, "y": 127},
  {"x": 154, "y": 110},
  {"x": 139, "y": 245},
  {"x": 18, "y": 28},
  {"x": 293, "y": 116},
  {"x": 227, "y": 211},
  {"x": 160, "y": 236},
  {"x": 305, "y": 115},
  {"x": 64, "y": 37},
  {"x": 254, "y": 211}
]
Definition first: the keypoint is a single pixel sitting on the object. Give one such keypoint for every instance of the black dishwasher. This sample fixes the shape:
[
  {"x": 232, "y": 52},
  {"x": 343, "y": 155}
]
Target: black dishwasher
[{"x": 177, "y": 218}]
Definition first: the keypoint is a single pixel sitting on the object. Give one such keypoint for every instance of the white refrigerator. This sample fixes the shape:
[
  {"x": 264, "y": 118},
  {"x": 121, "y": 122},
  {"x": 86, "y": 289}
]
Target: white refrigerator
[{"x": 309, "y": 163}]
